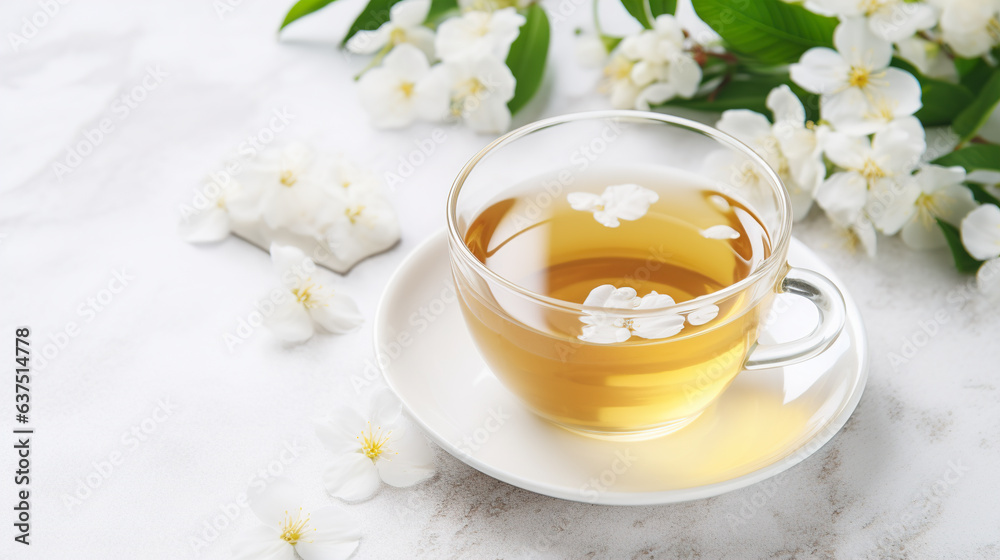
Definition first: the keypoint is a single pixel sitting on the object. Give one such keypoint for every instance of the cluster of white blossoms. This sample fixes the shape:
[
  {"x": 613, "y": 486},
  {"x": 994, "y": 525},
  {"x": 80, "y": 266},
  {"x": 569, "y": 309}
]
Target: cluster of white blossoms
[
  {"x": 325, "y": 205},
  {"x": 647, "y": 68},
  {"x": 926, "y": 33},
  {"x": 862, "y": 163},
  {"x": 369, "y": 448},
  {"x": 457, "y": 72}
]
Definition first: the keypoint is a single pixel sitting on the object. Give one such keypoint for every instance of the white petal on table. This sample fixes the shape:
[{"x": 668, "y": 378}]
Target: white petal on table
[
  {"x": 290, "y": 321},
  {"x": 351, "y": 476},
  {"x": 412, "y": 460},
  {"x": 275, "y": 501},
  {"x": 340, "y": 431},
  {"x": 261, "y": 543},
  {"x": 333, "y": 533},
  {"x": 981, "y": 232},
  {"x": 385, "y": 408},
  {"x": 338, "y": 314}
]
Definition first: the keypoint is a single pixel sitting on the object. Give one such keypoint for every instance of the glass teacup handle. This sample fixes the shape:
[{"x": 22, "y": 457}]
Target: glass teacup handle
[{"x": 832, "y": 314}]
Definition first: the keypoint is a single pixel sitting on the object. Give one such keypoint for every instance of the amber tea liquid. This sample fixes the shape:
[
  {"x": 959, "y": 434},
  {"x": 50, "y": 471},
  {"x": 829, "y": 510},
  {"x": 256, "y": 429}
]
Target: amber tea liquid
[{"x": 539, "y": 242}]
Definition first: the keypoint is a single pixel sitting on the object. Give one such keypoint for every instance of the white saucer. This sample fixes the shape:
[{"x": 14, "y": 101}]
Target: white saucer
[{"x": 766, "y": 422}]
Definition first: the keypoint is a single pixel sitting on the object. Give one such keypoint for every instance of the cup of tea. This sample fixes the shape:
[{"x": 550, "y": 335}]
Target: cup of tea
[{"x": 614, "y": 268}]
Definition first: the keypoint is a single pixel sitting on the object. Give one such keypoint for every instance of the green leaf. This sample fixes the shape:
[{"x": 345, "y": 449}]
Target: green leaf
[
  {"x": 372, "y": 17},
  {"x": 441, "y": 9},
  {"x": 656, "y": 7},
  {"x": 981, "y": 195},
  {"x": 748, "y": 92},
  {"x": 769, "y": 31},
  {"x": 964, "y": 262},
  {"x": 974, "y": 116},
  {"x": 973, "y": 72},
  {"x": 973, "y": 158},
  {"x": 942, "y": 101},
  {"x": 526, "y": 59},
  {"x": 303, "y": 8}
]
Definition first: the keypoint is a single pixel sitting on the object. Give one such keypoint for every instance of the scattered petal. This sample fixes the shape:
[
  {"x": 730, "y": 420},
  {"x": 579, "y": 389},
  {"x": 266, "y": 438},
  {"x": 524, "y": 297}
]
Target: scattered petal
[
  {"x": 703, "y": 315},
  {"x": 720, "y": 232}
]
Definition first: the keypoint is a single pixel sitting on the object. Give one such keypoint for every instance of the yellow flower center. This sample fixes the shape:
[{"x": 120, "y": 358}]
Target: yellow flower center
[
  {"x": 619, "y": 68},
  {"x": 870, "y": 7},
  {"x": 993, "y": 29},
  {"x": 859, "y": 77},
  {"x": 288, "y": 177},
  {"x": 397, "y": 36},
  {"x": 304, "y": 293},
  {"x": 373, "y": 442},
  {"x": 354, "y": 212},
  {"x": 293, "y": 529},
  {"x": 406, "y": 88},
  {"x": 871, "y": 170}
]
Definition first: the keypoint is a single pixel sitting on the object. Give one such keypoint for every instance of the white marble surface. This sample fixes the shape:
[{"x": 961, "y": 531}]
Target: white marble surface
[{"x": 913, "y": 475}]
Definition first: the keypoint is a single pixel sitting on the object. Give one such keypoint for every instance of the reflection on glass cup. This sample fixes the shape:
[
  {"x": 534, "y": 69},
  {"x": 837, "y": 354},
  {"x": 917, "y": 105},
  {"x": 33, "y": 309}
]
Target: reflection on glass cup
[{"x": 614, "y": 268}]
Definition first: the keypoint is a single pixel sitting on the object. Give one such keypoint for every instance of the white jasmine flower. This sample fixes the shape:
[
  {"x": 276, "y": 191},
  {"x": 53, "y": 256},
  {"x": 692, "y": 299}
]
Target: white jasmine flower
[
  {"x": 491, "y": 5},
  {"x": 981, "y": 232},
  {"x": 860, "y": 92},
  {"x": 970, "y": 27},
  {"x": 938, "y": 194},
  {"x": 988, "y": 280},
  {"x": 474, "y": 89},
  {"x": 389, "y": 92},
  {"x": 214, "y": 209},
  {"x": 703, "y": 315},
  {"x": 789, "y": 146},
  {"x": 618, "y": 82},
  {"x": 617, "y": 202},
  {"x": 590, "y": 50},
  {"x": 405, "y": 25},
  {"x": 367, "y": 224},
  {"x": 290, "y": 528},
  {"x": 861, "y": 232},
  {"x": 882, "y": 165},
  {"x": 372, "y": 447},
  {"x": 928, "y": 57},
  {"x": 890, "y": 20},
  {"x": 607, "y": 328},
  {"x": 478, "y": 34},
  {"x": 310, "y": 302},
  {"x": 658, "y": 67},
  {"x": 289, "y": 186},
  {"x": 981, "y": 238}
]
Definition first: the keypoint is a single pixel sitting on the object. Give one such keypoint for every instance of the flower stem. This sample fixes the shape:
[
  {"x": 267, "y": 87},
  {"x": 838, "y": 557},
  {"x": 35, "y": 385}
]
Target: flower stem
[{"x": 375, "y": 61}]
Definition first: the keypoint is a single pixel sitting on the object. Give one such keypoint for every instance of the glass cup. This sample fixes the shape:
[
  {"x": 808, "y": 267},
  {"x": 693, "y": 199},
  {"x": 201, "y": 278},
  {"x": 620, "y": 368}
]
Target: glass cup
[{"x": 629, "y": 390}]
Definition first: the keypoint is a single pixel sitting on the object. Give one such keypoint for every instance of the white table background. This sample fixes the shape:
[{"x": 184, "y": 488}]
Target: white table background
[{"x": 913, "y": 475}]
